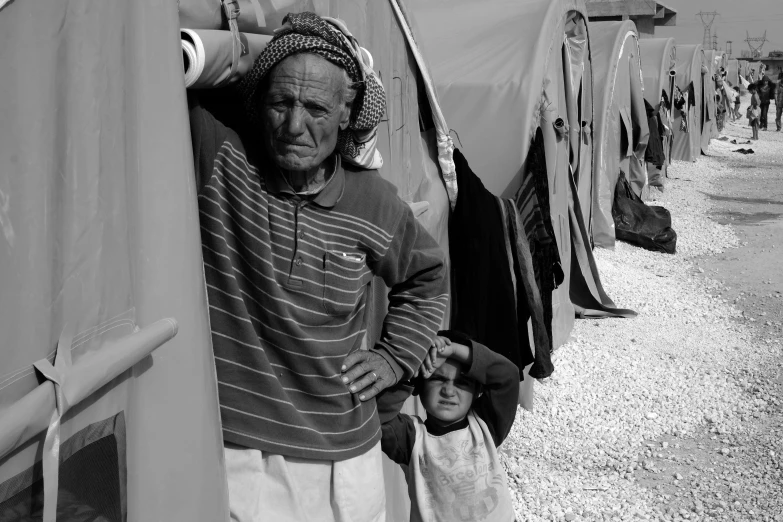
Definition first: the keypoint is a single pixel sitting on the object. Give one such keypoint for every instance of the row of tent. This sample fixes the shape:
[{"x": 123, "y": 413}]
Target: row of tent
[{"x": 108, "y": 397}]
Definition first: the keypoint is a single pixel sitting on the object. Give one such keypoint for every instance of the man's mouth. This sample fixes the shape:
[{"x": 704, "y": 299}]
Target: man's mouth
[{"x": 292, "y": 143}]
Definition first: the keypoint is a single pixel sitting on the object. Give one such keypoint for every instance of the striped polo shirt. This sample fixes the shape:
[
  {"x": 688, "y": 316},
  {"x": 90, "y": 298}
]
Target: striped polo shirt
[{"x": 288, "y": 284}]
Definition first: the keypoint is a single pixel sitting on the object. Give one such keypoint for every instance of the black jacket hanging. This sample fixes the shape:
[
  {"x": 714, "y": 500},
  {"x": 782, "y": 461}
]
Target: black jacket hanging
[{"x": 484, "y": 304}]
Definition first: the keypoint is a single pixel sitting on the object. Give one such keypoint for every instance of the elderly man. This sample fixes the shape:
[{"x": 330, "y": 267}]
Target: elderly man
[{"x": 292, "y": 236}]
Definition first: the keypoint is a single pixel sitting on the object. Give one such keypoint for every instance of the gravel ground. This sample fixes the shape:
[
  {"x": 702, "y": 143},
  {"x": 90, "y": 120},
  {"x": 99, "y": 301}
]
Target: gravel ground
[{"x": 673, "y": 415}]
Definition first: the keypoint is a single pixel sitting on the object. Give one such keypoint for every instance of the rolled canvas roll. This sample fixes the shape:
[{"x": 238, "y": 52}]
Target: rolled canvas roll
[
  {"x": 208, "y": 56},
  {"x": 255, "y": 16}
]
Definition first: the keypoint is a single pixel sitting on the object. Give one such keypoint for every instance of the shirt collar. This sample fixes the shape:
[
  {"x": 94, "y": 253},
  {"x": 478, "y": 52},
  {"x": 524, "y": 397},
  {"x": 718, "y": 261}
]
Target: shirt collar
[
  {"x": 438, "y": 430},
  {"x": 327, "y": 197}
]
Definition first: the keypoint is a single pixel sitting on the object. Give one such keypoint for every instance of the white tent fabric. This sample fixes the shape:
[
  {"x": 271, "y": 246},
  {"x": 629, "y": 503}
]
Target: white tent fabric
[
  {"x": 100, "y": 231},
  {"x": 621, "y": 130},
  {"x": 687, "y": 143}
]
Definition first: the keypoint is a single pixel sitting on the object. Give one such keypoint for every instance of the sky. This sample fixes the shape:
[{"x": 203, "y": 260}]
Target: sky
[{"x": 736, "y": 17}]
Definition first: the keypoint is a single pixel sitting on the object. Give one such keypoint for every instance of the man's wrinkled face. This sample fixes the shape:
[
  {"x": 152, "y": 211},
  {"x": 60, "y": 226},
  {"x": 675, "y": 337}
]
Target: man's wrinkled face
[{"x": 303, "y": 111}]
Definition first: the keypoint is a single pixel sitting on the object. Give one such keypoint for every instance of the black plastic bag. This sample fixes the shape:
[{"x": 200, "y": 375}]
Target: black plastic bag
[{"x": 640, "y": 224}]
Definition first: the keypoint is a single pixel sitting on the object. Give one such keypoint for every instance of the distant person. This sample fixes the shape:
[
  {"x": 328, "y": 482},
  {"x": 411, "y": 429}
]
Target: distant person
[
  {"x": 452, "y": 466},
  {"x": 766, "y": 93},
  {"x": 779, "y": 100},
  {"x": 754, "y": 112},
  {"x": 736, "y": 103},
  {"x": 720, "y": 112}
]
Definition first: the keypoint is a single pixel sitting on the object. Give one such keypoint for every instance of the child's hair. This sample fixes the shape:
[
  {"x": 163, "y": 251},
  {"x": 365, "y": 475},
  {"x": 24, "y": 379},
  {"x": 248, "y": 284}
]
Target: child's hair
[
  {"x": 736, "y": 88},
  {"x": 752, "y": 88}
]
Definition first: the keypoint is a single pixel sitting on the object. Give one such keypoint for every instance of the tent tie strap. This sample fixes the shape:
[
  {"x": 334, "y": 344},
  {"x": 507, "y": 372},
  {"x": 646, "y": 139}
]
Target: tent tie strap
[
  {"x": 56, "y": 374},
  {"x": 232, "y": 10}
]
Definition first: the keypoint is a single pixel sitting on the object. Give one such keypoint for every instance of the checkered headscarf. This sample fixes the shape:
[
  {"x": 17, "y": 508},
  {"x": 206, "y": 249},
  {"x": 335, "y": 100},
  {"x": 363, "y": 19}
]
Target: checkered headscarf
[{"x": 330, "y": 39}]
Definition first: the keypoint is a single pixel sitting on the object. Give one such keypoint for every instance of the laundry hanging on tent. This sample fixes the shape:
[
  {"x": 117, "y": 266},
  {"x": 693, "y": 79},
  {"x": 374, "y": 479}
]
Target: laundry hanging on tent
[
  {"x": 665, "y": 101},
  {"x": 691, "y": 95},
  {"x": 654, "y": 153},
  {"x": 484, "y": 303},
  {"x": 649, "y": 227},
  {"x": 526, "y": 288},
  {"x": 533, "y": 204},
  {"x": 682, "y": 105}
]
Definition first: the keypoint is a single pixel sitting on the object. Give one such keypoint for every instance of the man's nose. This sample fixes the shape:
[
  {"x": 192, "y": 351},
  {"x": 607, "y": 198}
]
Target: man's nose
[{"x": 295, "y": 123}]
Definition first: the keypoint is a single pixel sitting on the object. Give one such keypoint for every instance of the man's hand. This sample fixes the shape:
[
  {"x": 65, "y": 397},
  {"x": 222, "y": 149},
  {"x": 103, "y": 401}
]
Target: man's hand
[{"x": 367, "y": 374}]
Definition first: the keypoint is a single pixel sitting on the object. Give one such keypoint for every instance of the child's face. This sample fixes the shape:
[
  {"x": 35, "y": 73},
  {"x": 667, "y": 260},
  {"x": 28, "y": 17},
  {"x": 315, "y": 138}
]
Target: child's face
[{"x": 448, "y": 395}]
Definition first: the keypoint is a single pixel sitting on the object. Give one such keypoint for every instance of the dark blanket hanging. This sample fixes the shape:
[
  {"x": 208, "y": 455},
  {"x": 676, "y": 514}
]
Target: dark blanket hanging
[
  {"x": 484, "y": 305},
  {"x": 533, "y": 204},
  {"x": 654, "y": 153}
]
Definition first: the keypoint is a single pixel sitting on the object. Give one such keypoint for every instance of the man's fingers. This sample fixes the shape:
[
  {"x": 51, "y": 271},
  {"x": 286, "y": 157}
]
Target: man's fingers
[
  {"x": 354, "y": 358},
  {"x": 362, "y": 384},
  {"x": 369, "y": 394},
  {"x": 356, "y": 371},
  {"x": 366, "y": 384}
]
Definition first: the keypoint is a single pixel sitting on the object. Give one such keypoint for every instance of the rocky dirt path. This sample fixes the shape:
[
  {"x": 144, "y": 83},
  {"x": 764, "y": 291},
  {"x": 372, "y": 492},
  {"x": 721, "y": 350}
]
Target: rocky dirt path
[{"x": 677, "y": 414}]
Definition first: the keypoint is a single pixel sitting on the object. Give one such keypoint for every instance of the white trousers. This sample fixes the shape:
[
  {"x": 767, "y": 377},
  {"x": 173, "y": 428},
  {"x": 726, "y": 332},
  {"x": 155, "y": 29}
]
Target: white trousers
[{"x": 267, "y": 487}]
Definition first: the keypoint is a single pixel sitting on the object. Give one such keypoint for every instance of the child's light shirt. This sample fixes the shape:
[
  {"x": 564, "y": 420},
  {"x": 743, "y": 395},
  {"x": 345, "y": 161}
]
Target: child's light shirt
[{"x": 457, "y": 476}]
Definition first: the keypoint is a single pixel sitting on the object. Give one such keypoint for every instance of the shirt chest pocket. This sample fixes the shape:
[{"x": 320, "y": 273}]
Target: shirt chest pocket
[{"x": 345, "y": 276}]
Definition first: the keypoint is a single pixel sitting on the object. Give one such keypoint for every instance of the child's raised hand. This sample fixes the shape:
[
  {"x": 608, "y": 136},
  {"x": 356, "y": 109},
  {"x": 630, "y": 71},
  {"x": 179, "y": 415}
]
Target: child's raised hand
[{"x": 439, "y": 351}]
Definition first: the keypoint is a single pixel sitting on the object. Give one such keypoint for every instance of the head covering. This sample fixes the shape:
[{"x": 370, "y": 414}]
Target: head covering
[{"x": 330, "y": 39}]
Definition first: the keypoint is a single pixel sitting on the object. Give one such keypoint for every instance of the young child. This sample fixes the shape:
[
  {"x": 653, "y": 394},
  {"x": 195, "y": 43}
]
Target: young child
[
  {"x": 754, "y": 112},
  {"x": 451, "y": 462}
]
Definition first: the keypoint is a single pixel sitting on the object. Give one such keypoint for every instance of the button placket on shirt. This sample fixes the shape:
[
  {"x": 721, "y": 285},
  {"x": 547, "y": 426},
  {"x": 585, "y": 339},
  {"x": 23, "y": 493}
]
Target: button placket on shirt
[{"x": 297, "y": 263}]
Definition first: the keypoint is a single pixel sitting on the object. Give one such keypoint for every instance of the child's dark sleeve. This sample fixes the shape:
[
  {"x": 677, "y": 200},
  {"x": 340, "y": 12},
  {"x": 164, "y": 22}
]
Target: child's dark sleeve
[
  {"x": 398, "y": 432},
  {"x": 499, "y": 378}
]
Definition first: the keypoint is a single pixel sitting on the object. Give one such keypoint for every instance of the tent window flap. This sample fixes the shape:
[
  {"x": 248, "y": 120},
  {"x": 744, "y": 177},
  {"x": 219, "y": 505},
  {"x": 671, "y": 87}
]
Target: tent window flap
[{"x": 92, "y": 479}]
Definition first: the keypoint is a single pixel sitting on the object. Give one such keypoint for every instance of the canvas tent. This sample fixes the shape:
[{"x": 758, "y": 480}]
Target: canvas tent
[
  {"x": 733, "y": 72},
  {"x": 687, "y": 143},
  {"x": 659, "y": 61},
  {"x": 620, "y": 129},
  {"x": 709, "y": 106},
  {"x": 503, "y": 70},
  {"x": 715, "y": 60},
  {"x": 100, "y": 232},
  {"x": 99, "y": 237}
]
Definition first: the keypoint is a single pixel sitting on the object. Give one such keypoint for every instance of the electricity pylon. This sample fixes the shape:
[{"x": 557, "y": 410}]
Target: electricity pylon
[
  {"x": 756, "y": 44},
  {"x": 707, "y": 19}
]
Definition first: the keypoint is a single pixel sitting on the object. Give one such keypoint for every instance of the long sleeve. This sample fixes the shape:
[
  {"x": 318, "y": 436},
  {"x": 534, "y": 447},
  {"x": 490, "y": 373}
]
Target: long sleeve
[
  {"x": 398, "y": 437},
  {"x": 398, "y": 432},
  {"x": 207, "y": 134},
  {"x": 414, "y": 269},
  {"x": 499, "y": 377}
]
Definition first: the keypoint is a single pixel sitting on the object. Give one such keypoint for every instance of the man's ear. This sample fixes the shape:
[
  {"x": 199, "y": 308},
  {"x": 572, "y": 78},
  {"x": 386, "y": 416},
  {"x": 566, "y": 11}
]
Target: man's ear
[{"x": 345, "y": 117}]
